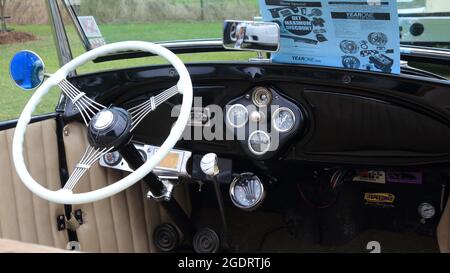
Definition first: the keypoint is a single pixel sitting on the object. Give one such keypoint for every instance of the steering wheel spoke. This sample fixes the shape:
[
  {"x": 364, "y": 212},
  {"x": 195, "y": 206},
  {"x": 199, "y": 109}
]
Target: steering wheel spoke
[
  {"x": 90, "y": 156},
  {"x": 140, "y": 111},
  {"x": 85, "y": 105}
]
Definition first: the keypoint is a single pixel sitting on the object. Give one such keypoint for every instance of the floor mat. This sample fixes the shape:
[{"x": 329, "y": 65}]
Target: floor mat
[
  {"x": 266, "y": 232},
  {"x": 390, "y": 242}
]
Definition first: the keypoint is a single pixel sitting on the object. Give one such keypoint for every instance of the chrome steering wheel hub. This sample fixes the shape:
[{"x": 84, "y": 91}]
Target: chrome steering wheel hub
[{"x": 103, "y": 119}]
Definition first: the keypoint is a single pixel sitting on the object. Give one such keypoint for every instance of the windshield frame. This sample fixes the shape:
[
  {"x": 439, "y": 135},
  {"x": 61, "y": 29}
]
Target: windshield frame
[{"x": 73, "y": 16}]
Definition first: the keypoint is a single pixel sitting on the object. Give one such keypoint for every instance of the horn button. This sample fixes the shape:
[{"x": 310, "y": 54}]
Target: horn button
[{"x": 110, "y": 128}]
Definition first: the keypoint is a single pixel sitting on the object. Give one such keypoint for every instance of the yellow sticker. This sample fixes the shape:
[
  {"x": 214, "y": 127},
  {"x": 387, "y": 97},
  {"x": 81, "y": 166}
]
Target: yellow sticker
[{"x": 379, "y": 197}]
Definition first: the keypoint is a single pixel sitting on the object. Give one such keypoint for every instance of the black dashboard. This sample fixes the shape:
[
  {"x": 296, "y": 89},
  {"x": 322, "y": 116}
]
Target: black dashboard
[{"x": 321, "y": 115}]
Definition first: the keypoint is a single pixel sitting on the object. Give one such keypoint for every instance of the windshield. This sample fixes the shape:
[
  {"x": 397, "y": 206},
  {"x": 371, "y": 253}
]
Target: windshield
[
  {"x": 422, "y": 22},
  {"x": 157, "y": 21}
]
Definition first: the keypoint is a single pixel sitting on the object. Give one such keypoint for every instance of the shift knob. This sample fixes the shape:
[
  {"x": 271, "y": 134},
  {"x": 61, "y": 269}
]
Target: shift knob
[{"x": 209, "y": 164}]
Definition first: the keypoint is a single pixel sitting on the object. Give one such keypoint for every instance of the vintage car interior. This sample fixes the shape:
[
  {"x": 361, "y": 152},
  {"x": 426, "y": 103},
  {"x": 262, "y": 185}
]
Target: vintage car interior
[{"x": 126, "y": 164}]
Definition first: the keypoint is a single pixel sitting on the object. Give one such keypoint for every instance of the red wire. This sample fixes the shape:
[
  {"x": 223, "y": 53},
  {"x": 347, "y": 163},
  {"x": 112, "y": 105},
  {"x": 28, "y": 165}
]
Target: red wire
[{"x": 311, "y": 203}]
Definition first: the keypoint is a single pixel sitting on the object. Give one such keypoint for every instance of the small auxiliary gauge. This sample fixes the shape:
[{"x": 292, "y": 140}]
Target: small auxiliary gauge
[
  {"x": 237, "y": 116},
  {"x": 283, "y": 119},
  {"x": 261, "y": 97},
  {"x": 143, "y": 154},
  {"x": 426, "y": 210},
  {"x": 247, "y": 191},
  {"x": 113, "y": 158}
]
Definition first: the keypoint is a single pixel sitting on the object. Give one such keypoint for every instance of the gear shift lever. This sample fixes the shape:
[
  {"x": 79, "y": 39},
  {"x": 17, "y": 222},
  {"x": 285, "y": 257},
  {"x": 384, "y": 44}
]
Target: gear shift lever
[{"x": 210, "y": 166}]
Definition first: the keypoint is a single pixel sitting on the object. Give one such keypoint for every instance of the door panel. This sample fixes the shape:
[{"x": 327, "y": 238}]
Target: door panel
[
  {"x": 443, "y": 230},
  {"x": 24, "y": 216}
]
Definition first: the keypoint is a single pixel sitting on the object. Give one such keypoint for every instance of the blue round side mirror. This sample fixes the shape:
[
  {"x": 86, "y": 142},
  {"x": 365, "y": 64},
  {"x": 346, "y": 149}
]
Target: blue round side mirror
[{"x": 27, "y": 70}]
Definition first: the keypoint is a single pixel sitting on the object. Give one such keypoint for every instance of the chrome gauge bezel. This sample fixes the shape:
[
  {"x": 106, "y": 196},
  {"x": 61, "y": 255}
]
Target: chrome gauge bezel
[
  {"x": 250, "y": 146},
  {"x": 112, "y": 163},
  {"x": 255, "y": 96},
  {"x": 274, "y": 124},
  {"x": 421, "y": 211},
  {"x": 232, "y": 123},
  {"x": 258, "y": 201}
]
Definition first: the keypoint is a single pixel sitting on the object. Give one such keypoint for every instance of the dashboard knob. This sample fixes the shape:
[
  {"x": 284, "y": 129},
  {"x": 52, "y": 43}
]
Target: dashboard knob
[
  {"x": 209, "y": 164},
  {"x": 256, "y": 117}
]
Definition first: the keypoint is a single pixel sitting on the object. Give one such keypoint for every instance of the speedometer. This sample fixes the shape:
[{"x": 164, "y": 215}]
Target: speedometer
[
  {"x": 283, "y": 119},
  {"x": 237, "y": 115}
]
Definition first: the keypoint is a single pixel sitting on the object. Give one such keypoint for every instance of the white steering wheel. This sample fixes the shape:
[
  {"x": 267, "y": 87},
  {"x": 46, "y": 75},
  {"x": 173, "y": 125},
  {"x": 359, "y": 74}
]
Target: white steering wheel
[{"x": 90, "y": 110}]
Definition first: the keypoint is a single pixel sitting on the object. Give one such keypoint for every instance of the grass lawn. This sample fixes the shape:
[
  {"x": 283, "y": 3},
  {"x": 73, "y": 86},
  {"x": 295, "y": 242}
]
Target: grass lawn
[{"x": 13, "y": 99}]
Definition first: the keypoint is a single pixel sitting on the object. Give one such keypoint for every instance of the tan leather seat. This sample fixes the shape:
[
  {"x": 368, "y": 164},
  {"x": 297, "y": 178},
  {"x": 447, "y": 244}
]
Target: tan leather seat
[
  {"x": 10, "y": 246},
  {"x": 123, "y": 223}
]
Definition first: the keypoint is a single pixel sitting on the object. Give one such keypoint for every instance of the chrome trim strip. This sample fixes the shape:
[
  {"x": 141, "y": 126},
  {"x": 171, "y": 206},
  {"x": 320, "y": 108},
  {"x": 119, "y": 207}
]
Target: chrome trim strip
[
  {"x": 61, "y": 43},
  {"x": 59, "y": 33},
  {"x": 76, "y": 22},
  {"x": 426, "y": 52},
  {"x": 179, "y": 170},
  {"x": 191, "y": 43}
]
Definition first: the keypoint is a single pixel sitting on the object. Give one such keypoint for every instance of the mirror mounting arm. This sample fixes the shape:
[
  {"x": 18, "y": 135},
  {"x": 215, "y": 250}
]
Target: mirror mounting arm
[{"x": 260, "y": 58}]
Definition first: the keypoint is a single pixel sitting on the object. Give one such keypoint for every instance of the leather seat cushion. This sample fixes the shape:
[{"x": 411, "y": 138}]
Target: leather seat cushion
[{"x": 11, "y": 246}]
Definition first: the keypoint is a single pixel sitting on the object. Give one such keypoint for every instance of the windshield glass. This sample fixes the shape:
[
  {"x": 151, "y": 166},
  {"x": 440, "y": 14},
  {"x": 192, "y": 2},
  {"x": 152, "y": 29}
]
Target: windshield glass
[
  {"x": 422, "y": 22},
  {"x": 156, "y": 21}
]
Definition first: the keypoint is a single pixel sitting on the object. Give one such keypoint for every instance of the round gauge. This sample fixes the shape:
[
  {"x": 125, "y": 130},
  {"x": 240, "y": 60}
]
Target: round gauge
[
  {"x": 283, "y": 119},
  {"x": 426, "y": 210},
  {"x": 259, "y": 142},
  {"x": 113, "y": 158},
  {"x": 237, "y": 115},
  {"x": 261, "y": 97},
  {"x": 143, "y": 154},
  {"x": 247, "y": 191}
]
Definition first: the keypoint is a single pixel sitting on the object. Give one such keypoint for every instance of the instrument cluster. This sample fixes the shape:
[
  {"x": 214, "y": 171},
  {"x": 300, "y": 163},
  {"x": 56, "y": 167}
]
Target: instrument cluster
[{"x": 263, "y": 121}]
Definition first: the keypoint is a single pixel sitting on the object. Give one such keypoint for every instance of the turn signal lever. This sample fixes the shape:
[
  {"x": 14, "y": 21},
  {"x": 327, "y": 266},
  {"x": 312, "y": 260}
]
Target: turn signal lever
[{"x": 210, "y": 167}]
